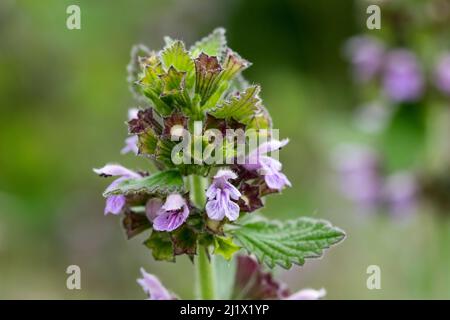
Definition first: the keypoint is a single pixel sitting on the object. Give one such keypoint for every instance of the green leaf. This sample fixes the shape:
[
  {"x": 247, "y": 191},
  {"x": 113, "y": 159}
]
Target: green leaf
[
  {"x": 242, "y": 108},
  {"x": 285, "y": 243},
  {"x": 184, "y": 240},
  {"x": 213, "y": 45},
  {"x": 174, "y": 92},
  {"x": 147, "y": 142},
  {"x": 233, "y": 65},
  {"x": 134, "y": 68},
  {"x": 176, "y": 56},
  {"x": 161, "y": 246},
  {"x": 161, "y": 183},
  {"x": 225, "y": 247}
]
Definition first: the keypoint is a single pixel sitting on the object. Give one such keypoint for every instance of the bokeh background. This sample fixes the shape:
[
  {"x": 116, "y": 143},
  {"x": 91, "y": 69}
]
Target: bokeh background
[{"x": 64, "y": 100}]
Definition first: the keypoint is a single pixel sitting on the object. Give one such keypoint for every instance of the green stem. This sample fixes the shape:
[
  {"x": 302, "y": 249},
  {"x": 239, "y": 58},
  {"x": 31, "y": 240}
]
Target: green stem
[
  {"x": 205, "y": 275},
  {"x": 205, "y": 269}
]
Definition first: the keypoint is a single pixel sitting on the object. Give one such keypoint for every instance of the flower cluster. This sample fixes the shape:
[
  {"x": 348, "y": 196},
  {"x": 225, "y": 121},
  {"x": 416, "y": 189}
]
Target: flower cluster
[
  {"x": 184, "y": 95},
  {"x": 363, "y": 182},
  {"x": 398, "y": 70}
]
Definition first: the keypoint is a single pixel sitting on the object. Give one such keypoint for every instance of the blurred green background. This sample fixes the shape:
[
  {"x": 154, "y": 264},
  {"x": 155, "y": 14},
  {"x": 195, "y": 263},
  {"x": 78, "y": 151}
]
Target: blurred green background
[{"x": 64, "y": 100}]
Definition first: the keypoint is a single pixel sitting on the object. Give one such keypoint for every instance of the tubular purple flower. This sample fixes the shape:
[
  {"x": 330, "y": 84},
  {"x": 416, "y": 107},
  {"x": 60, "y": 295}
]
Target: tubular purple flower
[
  {"x": 152, "y": 208},
  {"x": 307, "y": 294},
  {"x": 173, "y": 213},
  {"x": 131, "y": 142},
  {"x": 442, "y": 74},
  {"x": 403, "y": 79},
  {"x": 153, "y": 287},
  {"x": 220, "y": 195},
  {"x": 266, "y": 166},
  {"x": 366, "y": 55},
  {"x": 130, "y": 145},
  {"x": 115, "y": 203}
]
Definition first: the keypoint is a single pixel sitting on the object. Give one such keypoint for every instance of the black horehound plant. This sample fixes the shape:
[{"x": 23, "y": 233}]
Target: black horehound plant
[{"x": 213, "y": 148}]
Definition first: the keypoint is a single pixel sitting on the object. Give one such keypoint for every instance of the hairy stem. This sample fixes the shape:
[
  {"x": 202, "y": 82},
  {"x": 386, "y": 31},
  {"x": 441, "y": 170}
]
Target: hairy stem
[{"x": 205, "y": 268}]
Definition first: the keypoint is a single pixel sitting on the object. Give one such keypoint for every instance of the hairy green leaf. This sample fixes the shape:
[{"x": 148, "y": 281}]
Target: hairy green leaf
[
  {"x": 225, "y": 247},
  {"x": 162, "y": 183},
  {"x": 213, "y": 45},
  {"x": 176, "y": 56},
  {"x": 161, "y": 246},
  {"x": 285, "y": 243},
  {"x": 243, "y": 107}
]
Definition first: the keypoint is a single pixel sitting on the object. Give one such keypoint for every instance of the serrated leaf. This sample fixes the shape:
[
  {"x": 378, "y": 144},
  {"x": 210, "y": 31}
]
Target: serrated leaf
[
  {"x": 134, "y": 68},
  {"x": 225, "y": 247},
  {"x": 161, "y": 183},
  {"x": 184, "y": 241},
  {"x": 233, "y": 65},
  {"x": 242, "y": 107},
  {"x": 286, "y": 243},
  {"x": 176, "y": 56},
  {"x": 173, "y": 92},
  {"x": 213, "y": 45},
  {"x": 161, "y": 246}
]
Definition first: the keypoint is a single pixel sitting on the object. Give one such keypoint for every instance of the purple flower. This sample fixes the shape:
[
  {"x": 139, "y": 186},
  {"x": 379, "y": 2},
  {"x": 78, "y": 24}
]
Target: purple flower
[
  {"x": 400, "y": 192},
  {"x": 220, "y": 194},
  {"x": 173, "y": 213},
  {"x": 115, "y": 203},
  {"x": 131, "y": 142},
  {"x": 307, "y": 294},
  {"x": 442, "y": 74},
  {"x": 130, "y": 145},
  {"x": 366, "y": 55},
  {"x": 268, "y": 167},
  {"x": 152, "y": 208},
  {"x": 403, "y": 79},
  {"x": 252, "y": 282},
  {"x": 360, "y": 176},
  {"x": 153, "y": 287}
]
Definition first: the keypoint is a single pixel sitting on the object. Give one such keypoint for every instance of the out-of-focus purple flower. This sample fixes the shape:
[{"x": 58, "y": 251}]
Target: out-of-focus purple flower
[
  {"x": 220, "y": 195},
  {"x": 252, "y": 282},
  {"x": 172, "y": 214},
  {"x": 403, "y": 78},
  {"x": 266, "y": 166},
  {"x": 400, "y": 193},
  {"x": 115, "y": 203},
  {"x": 442, "y": 74},
  {"x": 366, "y": 55},
  {"x": 131, "y": 142},
  {"x": 308, "y": 294},
  {"x": 153, "y": 287},
  {"x": 360, "y": 178}
]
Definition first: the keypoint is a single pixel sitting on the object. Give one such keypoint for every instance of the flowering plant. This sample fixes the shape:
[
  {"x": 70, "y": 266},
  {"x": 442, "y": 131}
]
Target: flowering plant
[{"x": 203, "y": 198}]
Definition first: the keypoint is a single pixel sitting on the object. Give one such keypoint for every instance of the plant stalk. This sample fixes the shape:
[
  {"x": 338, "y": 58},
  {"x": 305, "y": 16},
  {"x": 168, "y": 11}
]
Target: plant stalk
[{"x": 205, "y": 267}]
